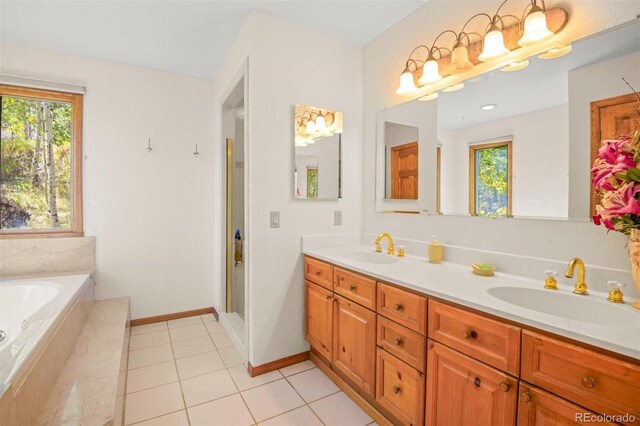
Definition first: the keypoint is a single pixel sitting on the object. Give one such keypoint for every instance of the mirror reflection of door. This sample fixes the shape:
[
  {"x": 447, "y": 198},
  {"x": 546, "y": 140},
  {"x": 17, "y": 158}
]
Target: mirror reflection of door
[
  {"x": 612, "y": 118},
  {"x": 404, "y": 171},
  {"x": 401, "y": 146}
]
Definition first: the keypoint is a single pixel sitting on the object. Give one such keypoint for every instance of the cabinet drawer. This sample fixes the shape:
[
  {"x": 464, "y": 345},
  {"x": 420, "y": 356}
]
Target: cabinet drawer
[
  {"x": 400, "y": 389},
  {"x": 537, "y": 407},
  {"x": 487, "y": 340},
  {"x": 406, "y": 344},
  {"x": 404, "y": 307},
  {"x": 319, "y": 272},
  {"x": 599, "y": 382},
  {"x": 355, "y": 287}
]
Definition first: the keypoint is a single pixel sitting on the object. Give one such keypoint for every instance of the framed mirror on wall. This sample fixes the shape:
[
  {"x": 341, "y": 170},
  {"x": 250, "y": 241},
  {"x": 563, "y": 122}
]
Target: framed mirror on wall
[
  {"x": 317, "y": 153},
  {"x": 521, "y": 144}
]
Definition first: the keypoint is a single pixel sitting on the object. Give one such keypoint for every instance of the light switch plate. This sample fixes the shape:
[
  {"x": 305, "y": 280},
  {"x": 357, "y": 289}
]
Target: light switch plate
[
  {"x": 337, "y": 217},
  {"x": 274, "y": 218}
]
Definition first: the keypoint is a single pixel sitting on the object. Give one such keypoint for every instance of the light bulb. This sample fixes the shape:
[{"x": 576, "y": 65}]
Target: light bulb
[
  {"x": 535, "y": 28},
  {"x": 493, "y": 45},
  {"x": 311, "y": 127},
  {"x": 516, "y": 66},
  {"x": 460, "y": 59},
  {"x": 429, "y": 97},
  {"x": 321, "y": 124},
  {"x": 407, "y": 85},
  {"x": 430, "y": 72}
]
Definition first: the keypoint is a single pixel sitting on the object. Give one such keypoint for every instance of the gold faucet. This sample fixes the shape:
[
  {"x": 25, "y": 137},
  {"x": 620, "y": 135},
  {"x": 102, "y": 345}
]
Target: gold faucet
[
  {"x": 581, "y": 286},
  {"x": 389, "y": 240}
]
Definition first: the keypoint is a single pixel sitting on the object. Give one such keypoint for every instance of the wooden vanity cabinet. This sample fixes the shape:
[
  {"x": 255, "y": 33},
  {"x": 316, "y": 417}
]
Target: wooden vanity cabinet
[
  {"x": 319, "y": 325},
  {"x": 462, "y": 391},
  {"x": 354, "y": 343}
]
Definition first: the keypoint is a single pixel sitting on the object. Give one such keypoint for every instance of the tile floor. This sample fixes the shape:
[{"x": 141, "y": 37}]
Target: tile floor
[{"x": 186, "y": 372}]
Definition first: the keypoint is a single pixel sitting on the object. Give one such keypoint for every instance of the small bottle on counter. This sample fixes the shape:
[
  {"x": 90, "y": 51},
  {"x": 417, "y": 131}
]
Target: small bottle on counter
[{"x": 435, "y": 250}]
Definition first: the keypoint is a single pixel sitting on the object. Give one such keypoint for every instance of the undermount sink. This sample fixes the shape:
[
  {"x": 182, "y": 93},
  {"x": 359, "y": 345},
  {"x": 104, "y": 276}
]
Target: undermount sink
[
  {"x": 372, "y": 257},
  {"x": 571, "y": 306}
]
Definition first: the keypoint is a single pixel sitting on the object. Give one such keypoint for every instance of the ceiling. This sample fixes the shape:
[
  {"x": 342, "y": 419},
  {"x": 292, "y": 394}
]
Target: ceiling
[
  {"x": 187, "y": 37},
  {"x": 543, "y": 84}
]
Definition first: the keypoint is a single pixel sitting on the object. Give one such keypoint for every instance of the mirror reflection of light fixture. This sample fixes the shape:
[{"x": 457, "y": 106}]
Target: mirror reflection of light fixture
[
  {"x": 556, "y": 52},
  {"x": 429, "y": 97},
  {"x": 531, "y": 27},
  {"x": 454, "y": 88},
  {"x": 313, "y": 123}
]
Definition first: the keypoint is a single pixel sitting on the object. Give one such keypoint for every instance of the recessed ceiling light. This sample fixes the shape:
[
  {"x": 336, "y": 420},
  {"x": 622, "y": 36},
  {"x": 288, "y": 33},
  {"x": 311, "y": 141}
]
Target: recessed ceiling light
[
  {"x": 453, "y": 88},
  {"x": 488, "y": 107}
]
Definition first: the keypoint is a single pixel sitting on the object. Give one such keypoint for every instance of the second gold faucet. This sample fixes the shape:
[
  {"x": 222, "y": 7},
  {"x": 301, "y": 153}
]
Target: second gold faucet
[{"x": 581, "y": 285}]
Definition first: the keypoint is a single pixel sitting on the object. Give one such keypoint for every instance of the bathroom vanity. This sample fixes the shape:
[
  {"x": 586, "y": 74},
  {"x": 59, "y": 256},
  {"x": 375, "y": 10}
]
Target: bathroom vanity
[{"x": 433, "y": 344}]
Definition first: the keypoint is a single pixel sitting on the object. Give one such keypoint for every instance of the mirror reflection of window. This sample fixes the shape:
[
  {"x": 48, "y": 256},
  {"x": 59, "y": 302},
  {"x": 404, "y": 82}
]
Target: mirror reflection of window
[
  {"x": 312, "y": 182},
  {"x": 490, "y": 172},
  {"x": 401, "y": 145}
]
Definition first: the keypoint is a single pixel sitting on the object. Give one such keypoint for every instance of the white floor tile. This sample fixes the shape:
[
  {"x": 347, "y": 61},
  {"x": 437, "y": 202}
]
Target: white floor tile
[
  {"x": 179, "y": 418},
  {"x": 153, "y": 402},
  {"x": 148, "y": 328},
  {"x": 214, "y": 327},
  {"x": 245, "y": 381},
  {"x": 302, "y": 416},
  {"x": 208, "y": 318},
  {"x": 230, "y": 357},
  {"x": 151, "y": 376},
  {"x": 339, "y": 410},
  {"x": 312, "y": 384},
  {"x": 182, "y": 322},
  {"x": 297, "y": 368},
  {"x": 197, "y": 365},
  {"x": 188, "y": 332},
  {"x": 228, "y": 411},
  {"x": 195, "y": 346},
  {"x": 147, "y": 340},
  {"x": 221, "y": 340},
  {"x": 149, "y": 356},
  {"x": 207, "y": 387},
  {"x": 272, "y": 399}
]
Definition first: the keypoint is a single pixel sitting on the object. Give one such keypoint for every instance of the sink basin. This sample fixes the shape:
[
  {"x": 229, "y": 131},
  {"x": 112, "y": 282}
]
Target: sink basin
[
  {"x": 372, "y": 257},
  {"x": 571, "y": 306}
]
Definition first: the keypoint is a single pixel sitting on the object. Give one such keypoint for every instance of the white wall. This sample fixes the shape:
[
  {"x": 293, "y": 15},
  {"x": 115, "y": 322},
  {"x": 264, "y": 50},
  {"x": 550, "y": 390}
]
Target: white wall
[
  {"x": 151, "y": 213},
  {"x": 281, "y": 76},
  {"x": 383, "y": 61},
  {"x": 587, "y": 84},
  {"x": 540, "y": 146}
]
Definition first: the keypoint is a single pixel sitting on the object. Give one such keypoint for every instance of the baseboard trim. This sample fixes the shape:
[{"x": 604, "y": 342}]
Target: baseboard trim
[
  {"x": 175, "y": 315},
  {"x": 376, "y": 415},
  {"x": 277, "y": 364}
]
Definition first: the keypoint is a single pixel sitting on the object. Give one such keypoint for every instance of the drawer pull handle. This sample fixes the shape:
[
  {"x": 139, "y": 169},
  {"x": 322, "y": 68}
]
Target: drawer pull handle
[
  {"x": 469, "y": 334},
  {"x": 504, "y": 386},
  {"x": 526, "y": 396},
  {"x": 329, "y": 297},
  {"x": 398, "y": 342},
  {"x": 588, "y": 382},
  {"x": 352, "y": 287},
  {"x": 477, "y": 382},
  {"x": 318, "y": 273},
  {"x": 396, "y": 389},
  {"x": 398, "y": 307}
]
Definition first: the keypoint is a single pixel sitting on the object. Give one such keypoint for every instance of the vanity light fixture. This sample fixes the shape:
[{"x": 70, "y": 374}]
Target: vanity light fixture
[
  {"x": 556, "y": 52},
  {"x": 454, "y": 88},
  {"x": 499, "y": 38},
  {"x": 313, "y": 124},
  {"x": 516, "y": 66},
  {"x": 535, "y": 25},
  {"x": 429, "y": 97},
  {"x": 488, "y": 107}
]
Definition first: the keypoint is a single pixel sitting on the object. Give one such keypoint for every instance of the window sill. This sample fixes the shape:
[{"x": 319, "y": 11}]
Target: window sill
[{"x": 39, "y": 234}]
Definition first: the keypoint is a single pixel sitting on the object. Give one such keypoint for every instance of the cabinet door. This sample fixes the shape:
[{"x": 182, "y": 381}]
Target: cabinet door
[
  {"x": 354, "y": 343},
  {"x": 319, "y": 327},
  {"x": 537, "y": 407},
  {"x": 463, "y": 391}
]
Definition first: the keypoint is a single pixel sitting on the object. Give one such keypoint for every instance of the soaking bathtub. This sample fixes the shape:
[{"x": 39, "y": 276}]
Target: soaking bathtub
[{"x": 30, "y": 309}]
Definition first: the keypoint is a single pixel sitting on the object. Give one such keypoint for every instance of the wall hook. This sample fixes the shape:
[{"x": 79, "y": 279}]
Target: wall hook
[
  {"x": 149, "y": 145},
  {"x": 196, "y": 153}
]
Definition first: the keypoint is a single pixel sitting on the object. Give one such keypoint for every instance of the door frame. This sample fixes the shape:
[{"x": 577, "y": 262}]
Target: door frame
[{"x": 596, "y": 138}]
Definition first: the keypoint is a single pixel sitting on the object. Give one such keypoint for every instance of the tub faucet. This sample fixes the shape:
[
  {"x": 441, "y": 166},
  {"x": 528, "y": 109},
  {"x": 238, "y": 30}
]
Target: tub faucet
[
  {"x": 581, "y": 286},
  {"x": 391, "y": 250}
]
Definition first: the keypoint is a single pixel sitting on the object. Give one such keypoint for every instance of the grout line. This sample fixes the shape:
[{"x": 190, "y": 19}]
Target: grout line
[
  {"x": 151, "y": 418},
  {"x": 175, "y": 364}
]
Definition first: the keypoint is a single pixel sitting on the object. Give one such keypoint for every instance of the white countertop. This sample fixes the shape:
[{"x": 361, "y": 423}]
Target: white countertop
[{"x": 456, "y": 283}]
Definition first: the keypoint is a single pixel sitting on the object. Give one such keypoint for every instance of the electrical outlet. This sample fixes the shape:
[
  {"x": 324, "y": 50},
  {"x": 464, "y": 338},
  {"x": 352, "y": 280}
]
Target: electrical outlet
[
  {"x": 274, "y": 218},
  {"x": 337, "y": 217}
]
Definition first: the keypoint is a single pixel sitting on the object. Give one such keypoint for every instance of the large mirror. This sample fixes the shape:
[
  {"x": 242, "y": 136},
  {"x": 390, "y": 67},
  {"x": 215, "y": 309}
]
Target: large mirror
[
  {"x": 317, "y": 153},
  {"x": 519, "y": 144}
]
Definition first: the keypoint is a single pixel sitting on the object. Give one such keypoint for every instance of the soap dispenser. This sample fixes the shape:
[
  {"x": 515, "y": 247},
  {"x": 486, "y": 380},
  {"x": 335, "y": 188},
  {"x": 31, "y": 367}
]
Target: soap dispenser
[{"x": 435, "y": 250}]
